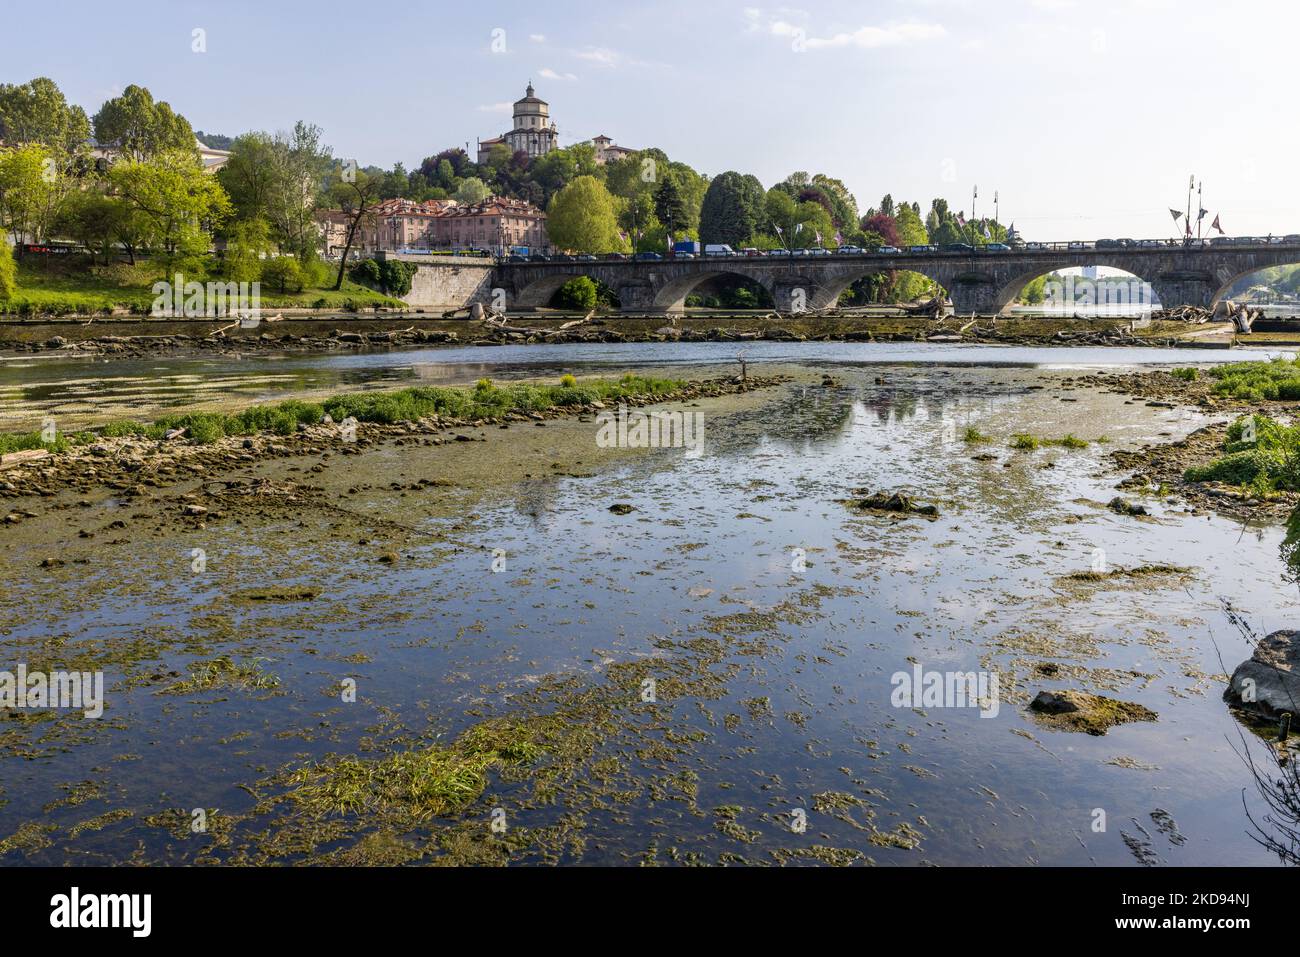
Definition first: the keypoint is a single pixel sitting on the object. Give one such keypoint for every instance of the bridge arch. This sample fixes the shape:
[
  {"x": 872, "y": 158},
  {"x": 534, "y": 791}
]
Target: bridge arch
[
  {"x": 1109, "y": 290},
  {"x": 827, "y": 292},
  {"x": 671, "y": 296},
  {"x": 539, "y": 292},
  {"x": 1225, "y": 279}
]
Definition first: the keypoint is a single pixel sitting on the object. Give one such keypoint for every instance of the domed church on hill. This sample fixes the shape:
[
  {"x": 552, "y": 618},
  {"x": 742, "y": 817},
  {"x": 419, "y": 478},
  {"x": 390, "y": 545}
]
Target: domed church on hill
[{"x": 534, "y": 131}]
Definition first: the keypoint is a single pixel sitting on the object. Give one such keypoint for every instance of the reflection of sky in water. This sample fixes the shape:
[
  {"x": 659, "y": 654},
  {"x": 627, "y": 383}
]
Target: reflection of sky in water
[{"x": 583, "y": 586}]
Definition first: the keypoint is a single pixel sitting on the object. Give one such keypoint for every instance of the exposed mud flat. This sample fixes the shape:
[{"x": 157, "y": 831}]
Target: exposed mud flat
[{"x": 458, "y": 653}]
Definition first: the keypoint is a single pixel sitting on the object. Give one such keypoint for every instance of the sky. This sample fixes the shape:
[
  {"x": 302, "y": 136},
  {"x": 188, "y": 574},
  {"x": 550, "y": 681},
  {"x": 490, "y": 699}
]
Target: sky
[{"x": 1086, "y": 117}]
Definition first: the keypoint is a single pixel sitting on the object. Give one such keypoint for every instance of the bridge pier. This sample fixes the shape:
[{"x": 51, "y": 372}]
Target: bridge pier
[
  {"x": 976, "y": 295},
  {"x": 636, "y": 296},
  {"x": 1173, "y": 291},
  {"x": 792, "y": 296}
]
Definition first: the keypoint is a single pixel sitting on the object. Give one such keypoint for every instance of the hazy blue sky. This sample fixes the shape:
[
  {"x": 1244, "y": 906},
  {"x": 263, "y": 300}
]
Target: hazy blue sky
[{"x": 1086, "y": 115}]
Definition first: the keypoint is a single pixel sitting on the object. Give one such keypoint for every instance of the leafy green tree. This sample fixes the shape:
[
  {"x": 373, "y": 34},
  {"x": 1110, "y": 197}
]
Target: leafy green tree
[
  {"x": 300, "y": 166},
  {"x": 471, "y": 191},
  {"x": 670, "y": 207},
  {"x": 561, "y": 167},
  {"x": 179, "y": 202},
  {"x": 249, "y": 176},
  {"x": 96, "y": 220},
  {"x": 583, "y": 217},
  {"x": 140, "y": 127},
  {"x": 8, "y": 270},
  {"x": 37, "y": 112},
  {"x": 32, "y": 186},
  {"x": 248, "y": 244},
  {"x": 732, "y": 211}
]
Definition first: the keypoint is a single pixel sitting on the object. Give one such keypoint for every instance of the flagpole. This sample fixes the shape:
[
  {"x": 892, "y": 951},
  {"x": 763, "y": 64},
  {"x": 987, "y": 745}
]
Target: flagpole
[
  {"x": 1200, "y": 205},
  {"x": 1187, "y": 223}
]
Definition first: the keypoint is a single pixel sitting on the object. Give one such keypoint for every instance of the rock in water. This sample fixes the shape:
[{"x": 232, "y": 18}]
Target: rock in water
[
  {"x": 1079, "y": 711},
  {"x": 1269, "y": 680}
]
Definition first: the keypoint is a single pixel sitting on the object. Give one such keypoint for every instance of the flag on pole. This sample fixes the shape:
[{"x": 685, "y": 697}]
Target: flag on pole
[
  {"x": 818, "y": 234},
  {"x": 779, "y": 230},
  {"x": 1215, "y": 225},
  {"x": 987, "y": 234},
  {"x": 1203, "y": 213},
  {"x": 798, "y": 228},
  {"x": 1177, "y": 214},
  {"x": 839, "y": 238},
  {"x": 961, "y": 220}
]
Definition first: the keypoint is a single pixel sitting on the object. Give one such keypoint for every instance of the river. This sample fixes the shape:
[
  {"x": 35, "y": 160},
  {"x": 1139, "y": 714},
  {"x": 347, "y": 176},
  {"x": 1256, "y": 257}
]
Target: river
[{"x": 772, "y": 619}]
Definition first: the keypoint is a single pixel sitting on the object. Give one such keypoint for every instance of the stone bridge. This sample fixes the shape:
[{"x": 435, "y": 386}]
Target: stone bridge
[{"x": 982, "y": 282}]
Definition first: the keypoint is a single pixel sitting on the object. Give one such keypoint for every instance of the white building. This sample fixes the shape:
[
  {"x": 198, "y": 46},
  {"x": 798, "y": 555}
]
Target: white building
[{"x": 533, "y": 133}]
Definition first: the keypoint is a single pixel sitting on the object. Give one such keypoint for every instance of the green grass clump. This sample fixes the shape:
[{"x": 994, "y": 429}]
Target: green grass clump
[
  {"x": 1265, "y": 465},
  {"x": 484, "y": 400},
  {"x": 224, "y": 672},
  {"x": 1025, "y": 442},
  {"x": 973, "y": 435},
  {"x": 1070, "y": 441},
  {"x": 1256, "y": 381},
  {"x": 435, "y": 781},
  {"x": 25, "y": 441},
  {"x": 1188, "y": 374}
]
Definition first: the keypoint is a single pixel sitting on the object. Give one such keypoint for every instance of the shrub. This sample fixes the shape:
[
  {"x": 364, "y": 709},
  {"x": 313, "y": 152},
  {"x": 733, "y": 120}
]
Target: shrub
[
  {"x": 578, "y": 293},
  {"x": 283, "y": 274}
]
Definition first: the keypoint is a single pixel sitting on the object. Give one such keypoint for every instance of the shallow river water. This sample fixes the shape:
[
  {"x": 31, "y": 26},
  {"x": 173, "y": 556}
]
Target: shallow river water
[{"x": 771, "y": 617}]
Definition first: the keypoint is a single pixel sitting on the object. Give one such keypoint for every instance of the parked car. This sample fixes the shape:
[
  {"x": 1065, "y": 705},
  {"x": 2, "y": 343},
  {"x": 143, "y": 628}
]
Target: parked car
[
  {"x": 849, "y": 251},
  {"x": 777, "y": 252},
  {"x": 997, "y": 247},
  {"x": 587, "y": 258},
  {"x": 1035, "y": 247},
  {"x": 1078, "y": 247},
  {"x": 718, "y": 249},
  {"x": 616, "y": 257},
  {"x": 887, "y": 250},
  {"x": 1107, "y": 244},
  {"x": 647, "y": 257},
  {"x": 538, "y": 258},
  {"x": 955, "y": 248}
]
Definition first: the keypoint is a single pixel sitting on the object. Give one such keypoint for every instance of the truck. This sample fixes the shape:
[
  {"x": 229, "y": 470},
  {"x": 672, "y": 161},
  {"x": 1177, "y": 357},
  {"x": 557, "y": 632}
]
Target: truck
[
  {"x": 687, "y": 246},
  {"x": 718, "y": 249}
]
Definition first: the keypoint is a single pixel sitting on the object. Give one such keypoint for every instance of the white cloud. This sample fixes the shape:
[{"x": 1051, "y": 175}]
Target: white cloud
[
  {"x": 867, "y": 38},
  {"x": 537, "y": 37},
  {"x": 546, "y": 73},
  {"x": 601, "y": 56},
  {"x": 496, "y": 108}
]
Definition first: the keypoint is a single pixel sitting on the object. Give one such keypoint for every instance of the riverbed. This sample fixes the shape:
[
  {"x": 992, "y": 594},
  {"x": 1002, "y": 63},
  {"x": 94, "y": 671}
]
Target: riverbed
[{"x": 722, "y": 652}]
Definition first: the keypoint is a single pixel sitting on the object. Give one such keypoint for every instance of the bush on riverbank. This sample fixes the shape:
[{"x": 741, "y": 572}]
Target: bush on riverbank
[
  {"x": 484, "y": 400},
  {"x": 1257, "y": 381},
  {"x": 1268, "y": 462}
]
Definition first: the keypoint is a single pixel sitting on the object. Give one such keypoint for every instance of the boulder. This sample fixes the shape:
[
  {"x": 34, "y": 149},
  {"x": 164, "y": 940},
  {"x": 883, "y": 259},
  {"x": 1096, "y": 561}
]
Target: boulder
[
  {"x": 1268, "y": 682},
  {"x": 1079, "y": 711}
]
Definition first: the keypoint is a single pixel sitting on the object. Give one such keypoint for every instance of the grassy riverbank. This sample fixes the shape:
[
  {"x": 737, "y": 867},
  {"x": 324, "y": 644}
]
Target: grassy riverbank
[
  {"x": 55, "y": 290},
  {"x": 482, "y": 401}
]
